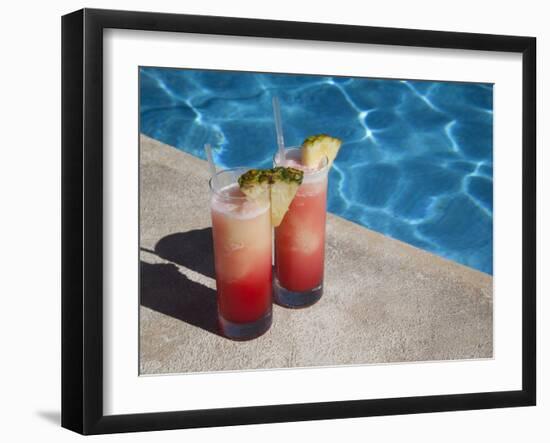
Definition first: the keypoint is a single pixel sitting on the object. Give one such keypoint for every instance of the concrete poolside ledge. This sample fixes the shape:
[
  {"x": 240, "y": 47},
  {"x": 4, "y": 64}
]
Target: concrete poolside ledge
[{"x": 385, "y": 301}]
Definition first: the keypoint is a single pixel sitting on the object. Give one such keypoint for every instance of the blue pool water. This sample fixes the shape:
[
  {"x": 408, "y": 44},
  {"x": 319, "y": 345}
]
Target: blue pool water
[{"x": 416, "y": 163}]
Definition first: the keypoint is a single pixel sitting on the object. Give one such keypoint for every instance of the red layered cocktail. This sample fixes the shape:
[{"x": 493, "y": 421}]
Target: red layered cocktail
[
  {"x": 242, "y": 231},
  {"x": 300, "y": 238}
]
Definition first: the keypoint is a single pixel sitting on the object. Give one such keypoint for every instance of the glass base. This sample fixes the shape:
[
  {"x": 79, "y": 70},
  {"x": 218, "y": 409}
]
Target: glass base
[
  {"x": 295, "y": 300},
  {"x": 245, "y": 331}
]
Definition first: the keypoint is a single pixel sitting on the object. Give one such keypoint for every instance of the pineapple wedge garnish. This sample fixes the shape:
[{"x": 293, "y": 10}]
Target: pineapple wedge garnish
[
  {"x": 255, "y": 184},
  {"x": 282, "y": 184},
  {"x": 316, "y": 147}
]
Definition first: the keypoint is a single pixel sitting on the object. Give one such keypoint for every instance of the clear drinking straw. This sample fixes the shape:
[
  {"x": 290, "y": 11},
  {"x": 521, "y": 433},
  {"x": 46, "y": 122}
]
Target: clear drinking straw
[
  {"x": 211, "y": 164},
  {"x": 279, "y": 129}
]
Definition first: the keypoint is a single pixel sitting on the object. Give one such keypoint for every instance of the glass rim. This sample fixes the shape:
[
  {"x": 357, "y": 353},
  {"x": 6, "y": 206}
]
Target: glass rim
[
  {"x": 217, "y": 190},
  {"x": 311, "y": 173}
]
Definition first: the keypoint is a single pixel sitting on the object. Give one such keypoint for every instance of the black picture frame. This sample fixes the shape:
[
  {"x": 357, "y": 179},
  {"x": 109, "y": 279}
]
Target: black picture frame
[{"x": 82, "y": 218}]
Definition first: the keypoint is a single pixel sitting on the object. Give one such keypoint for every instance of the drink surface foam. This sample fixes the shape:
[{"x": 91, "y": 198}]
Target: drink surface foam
[{"x": 231, "y": 202}]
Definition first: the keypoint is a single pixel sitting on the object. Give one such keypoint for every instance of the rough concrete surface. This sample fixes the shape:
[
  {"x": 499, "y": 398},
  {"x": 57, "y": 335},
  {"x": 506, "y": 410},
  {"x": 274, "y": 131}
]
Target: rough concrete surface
[{"x": 384, "y": 300}]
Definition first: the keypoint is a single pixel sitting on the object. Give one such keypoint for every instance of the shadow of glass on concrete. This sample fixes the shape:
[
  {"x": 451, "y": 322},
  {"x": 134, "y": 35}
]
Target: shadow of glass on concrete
[
  {"x": 192, "y": 249},
  {"x": 165, "y": 289}
]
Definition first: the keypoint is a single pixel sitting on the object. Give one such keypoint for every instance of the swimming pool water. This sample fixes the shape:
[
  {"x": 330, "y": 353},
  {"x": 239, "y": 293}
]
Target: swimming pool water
[{"x": 416, "y": 163}]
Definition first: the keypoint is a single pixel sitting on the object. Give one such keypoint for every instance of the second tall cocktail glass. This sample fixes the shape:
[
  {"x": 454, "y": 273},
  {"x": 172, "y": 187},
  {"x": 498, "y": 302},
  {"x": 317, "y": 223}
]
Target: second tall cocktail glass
[
  {"x": 241, "y": 230},
  {"x": 300, "y": 239}
]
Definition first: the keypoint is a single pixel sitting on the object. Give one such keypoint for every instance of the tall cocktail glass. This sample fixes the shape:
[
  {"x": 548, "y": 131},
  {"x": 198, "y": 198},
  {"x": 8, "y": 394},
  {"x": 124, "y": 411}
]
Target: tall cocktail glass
[
  {"x": 300, "y": 238},
  {"x": 242, "y": 236}
]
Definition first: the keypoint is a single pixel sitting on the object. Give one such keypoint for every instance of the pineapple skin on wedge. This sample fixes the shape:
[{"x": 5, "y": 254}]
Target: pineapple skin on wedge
[
  {"x": 286, "y": 175},
  {"x": 282, "y": 184},
  {"x": 316, "y": 147},
  {"x": 255, "y": 184}
]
